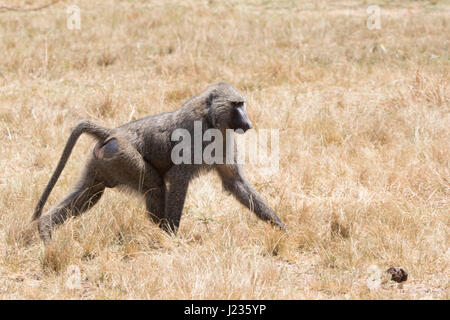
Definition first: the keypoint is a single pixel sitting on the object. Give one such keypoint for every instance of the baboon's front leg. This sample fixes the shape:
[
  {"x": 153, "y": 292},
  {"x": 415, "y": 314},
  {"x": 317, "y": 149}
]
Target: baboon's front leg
[
  {"x": 178, "y": 179},
  {"x": 234, "y": 181},
  {"x": 86, "y": 194}
]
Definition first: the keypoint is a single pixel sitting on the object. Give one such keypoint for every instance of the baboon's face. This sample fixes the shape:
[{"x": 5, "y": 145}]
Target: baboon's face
[
  {"x": 239, "y": 118},
  {"x": 229, "y": 110}
]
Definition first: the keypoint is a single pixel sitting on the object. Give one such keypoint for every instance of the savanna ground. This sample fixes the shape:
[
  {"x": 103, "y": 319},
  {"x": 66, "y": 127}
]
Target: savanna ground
[{"x": 364, "y": 125}]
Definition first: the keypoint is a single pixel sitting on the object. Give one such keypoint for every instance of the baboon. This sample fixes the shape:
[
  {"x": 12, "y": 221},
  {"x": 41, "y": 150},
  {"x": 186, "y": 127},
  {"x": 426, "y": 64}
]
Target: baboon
[{"x": 137, "y": 155}]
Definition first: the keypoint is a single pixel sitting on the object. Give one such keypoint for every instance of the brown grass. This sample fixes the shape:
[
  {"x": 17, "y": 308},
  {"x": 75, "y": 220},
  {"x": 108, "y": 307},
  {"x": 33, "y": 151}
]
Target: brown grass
[{"x": 364, "y": 120}]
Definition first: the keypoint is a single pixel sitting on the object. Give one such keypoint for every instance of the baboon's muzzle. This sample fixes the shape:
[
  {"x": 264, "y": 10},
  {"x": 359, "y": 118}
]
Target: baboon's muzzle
[
  {"x": 241, "y": 121},
  {"x": 246, "y": 126}
]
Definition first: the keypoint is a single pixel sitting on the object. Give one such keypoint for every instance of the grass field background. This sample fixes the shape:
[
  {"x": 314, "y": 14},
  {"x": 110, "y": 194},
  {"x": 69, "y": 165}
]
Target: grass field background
[{"x": 364, "y": 124}]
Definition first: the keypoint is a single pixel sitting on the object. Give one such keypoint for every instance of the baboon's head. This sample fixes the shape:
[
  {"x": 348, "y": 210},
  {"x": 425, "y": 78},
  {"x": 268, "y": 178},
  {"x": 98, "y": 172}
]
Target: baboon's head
[{"x": 227, "y": 108}]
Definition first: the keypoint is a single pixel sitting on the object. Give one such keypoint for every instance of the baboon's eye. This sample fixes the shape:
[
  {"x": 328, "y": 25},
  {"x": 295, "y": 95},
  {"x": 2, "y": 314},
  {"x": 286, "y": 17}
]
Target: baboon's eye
[{"x": 237, "y": 104}]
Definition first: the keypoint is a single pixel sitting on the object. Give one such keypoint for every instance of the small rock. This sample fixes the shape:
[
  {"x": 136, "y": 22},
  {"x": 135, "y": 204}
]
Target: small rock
[{"x": 398, "y": 274}]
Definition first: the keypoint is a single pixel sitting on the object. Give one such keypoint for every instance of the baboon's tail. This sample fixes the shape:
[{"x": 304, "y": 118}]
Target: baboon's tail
[{"x": 98, "y": 132}]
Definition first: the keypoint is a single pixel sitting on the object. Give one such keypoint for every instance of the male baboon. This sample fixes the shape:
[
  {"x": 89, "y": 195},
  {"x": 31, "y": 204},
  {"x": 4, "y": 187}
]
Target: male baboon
[{"x": 138, "y": 155}]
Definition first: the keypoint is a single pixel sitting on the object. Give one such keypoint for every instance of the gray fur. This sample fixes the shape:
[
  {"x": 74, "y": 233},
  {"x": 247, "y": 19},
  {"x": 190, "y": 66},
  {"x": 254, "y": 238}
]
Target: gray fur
[{"x": 138, "y": 155}]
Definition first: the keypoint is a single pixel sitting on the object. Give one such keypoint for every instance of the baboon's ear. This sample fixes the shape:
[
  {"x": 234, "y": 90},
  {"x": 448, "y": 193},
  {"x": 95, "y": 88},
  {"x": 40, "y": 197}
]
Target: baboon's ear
[
  {"x": 211, "y": 110},
  {"x": 209, "y": 100}
]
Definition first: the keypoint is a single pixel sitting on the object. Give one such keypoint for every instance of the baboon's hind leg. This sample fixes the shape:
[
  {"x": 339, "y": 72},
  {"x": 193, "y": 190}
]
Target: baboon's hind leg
[
  {"x": 87, "y": 192},
  {"x": 155, "y": 193},
  {"x": 154, "y": 201},
  {"x": 122, "y": 164}
]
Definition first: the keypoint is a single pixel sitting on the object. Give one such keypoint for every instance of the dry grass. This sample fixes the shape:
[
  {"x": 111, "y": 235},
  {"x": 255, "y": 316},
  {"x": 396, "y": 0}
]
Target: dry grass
[{"x": 364, "y": 120}]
